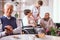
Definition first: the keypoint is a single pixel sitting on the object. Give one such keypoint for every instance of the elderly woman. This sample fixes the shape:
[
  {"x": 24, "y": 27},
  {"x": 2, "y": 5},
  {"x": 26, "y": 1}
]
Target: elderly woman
[
  {"x": 28, "y": 20},
  {"x": 47, "y": 22}
]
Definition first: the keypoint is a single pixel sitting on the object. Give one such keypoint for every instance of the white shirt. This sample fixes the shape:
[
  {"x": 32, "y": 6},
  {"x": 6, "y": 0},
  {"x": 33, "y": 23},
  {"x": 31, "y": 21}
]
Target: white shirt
[
  {"x": 2, "y": 34},
  {"x": 25, "y": 21},
  {"x": 7, "y": 16},
  {"x": 15, "y": 31},
  {"x": 35, "y": 11}
]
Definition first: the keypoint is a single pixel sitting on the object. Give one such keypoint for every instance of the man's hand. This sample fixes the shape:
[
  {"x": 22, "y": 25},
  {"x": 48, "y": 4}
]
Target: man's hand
[{"x": 8, "y": 30}]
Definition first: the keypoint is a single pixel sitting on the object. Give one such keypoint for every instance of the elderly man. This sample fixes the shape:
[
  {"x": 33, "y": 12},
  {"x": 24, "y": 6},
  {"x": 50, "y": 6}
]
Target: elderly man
[
  {"x": 9, "y": 25},
  {"x": 7, "y": 19},
  {"x": 47, "y": 22}
]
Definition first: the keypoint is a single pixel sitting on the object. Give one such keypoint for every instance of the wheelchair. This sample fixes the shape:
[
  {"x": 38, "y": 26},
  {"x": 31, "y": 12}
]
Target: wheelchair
[{"x": 29, "y": 29}]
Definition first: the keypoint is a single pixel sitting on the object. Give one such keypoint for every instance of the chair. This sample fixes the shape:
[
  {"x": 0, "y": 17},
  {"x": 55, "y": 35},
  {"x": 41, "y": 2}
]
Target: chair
[
  {"x": 27, "y": 29},
  {"x": 0, "y": 26}
]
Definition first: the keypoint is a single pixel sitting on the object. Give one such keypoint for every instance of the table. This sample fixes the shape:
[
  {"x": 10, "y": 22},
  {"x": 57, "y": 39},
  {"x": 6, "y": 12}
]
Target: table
[{"x": 29, "y": 37}]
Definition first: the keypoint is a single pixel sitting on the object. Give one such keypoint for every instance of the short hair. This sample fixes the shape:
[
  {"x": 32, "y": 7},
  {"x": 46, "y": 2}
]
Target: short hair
[
  {"x": 26, "y": 11},
  {"x": 40, "y": 2},
  {"x": 47, "y": 13},
  {"x": 5, "y": 6}
]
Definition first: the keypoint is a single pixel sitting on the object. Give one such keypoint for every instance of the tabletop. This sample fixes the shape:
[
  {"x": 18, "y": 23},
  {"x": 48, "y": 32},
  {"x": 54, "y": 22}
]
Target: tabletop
[{"x": 29, "y": 37}]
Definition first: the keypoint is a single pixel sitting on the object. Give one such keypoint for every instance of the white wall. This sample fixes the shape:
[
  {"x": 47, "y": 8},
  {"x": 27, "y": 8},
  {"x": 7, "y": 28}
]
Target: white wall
[
  {"x": 45, "y": 9},
  {"x": 56, "y": 11},
  {"x": 47, "y": 6}
]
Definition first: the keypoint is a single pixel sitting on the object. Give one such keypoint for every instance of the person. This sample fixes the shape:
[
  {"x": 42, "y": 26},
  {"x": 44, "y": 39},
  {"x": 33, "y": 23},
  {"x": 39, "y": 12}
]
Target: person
[
  {"x": 9, "y": 31},
  {"x": 28, "y": 20},
  {"x": 47, "y": 22},
  {"x": 36, "y": 11},
  {"x": 8, "y": 28},
  {"x": 7, "y": 18}
]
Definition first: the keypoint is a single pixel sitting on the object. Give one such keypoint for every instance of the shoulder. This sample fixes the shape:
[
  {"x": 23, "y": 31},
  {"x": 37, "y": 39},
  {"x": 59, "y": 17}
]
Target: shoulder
[
  {"x": 3, "y": 17},
  {"x": 13, "y": 18},
  {"x": 50, "y": 18},
  {"x": 24, "y": 17}
]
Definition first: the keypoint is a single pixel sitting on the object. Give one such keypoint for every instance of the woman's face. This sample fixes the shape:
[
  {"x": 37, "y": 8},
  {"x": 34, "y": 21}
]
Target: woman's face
[
  {"x": 46, "y": 16},
  {"x": 29, "y": 14},
  {"x": 37, "y": 5}
]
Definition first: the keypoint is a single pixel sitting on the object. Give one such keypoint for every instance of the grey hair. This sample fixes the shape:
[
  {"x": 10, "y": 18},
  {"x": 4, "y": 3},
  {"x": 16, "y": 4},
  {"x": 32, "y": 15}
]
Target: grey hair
[{"x": 5, "y": 6}]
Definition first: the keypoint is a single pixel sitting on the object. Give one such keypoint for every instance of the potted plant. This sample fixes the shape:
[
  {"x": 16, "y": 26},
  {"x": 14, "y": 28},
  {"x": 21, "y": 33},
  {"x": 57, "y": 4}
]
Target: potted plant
[
  {"x": 16, "y": 15},
  {"x": 53, "y": 31}
]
